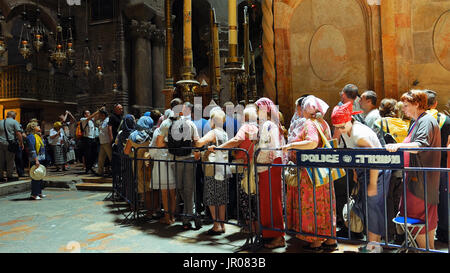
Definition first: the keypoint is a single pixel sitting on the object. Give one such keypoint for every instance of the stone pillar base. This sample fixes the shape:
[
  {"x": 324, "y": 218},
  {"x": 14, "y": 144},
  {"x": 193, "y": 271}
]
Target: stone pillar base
[{"x": 168, "y": 94}]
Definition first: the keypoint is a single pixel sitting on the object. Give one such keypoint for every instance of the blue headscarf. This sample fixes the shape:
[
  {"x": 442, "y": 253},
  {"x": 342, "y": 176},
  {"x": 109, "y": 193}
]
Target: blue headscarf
[
  {"x": 128, "y": 126},
  {"x": 147, "y": 114},
  {"x": 143, "y": 130}
]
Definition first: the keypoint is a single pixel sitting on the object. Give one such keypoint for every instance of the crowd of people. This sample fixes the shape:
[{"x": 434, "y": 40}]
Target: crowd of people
[{"x": 223, "y": 192}]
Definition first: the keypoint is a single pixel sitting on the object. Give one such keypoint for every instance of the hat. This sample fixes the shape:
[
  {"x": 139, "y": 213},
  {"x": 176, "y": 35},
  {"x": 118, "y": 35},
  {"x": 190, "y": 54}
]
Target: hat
[
  {"x": 343, "y": 113},
  {"x": 57, "y": 124},
  {"x": 38, "y": 173}
]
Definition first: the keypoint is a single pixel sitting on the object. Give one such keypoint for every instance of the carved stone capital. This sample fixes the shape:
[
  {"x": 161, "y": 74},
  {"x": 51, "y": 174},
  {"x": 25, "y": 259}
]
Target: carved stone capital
[
  {"x": 140, "y": 29},
  {"x": 158, "y": 37}
]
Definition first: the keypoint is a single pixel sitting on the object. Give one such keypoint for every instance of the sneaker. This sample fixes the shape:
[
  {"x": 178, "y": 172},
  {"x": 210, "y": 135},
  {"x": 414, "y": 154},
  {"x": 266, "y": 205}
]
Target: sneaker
[
  {"x": 35, "y": 198},
  {"x": 42, "y": 195},
  {"x": 371, "y": 248}
]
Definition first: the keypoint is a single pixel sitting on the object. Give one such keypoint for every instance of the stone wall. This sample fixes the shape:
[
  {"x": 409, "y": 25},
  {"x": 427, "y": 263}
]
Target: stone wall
[{"x": 386, "y": 46}]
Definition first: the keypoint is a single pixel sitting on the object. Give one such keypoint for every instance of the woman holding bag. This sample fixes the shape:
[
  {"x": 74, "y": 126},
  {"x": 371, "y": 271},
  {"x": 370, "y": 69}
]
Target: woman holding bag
[
  {"x": 216, "y": 176},
  {"x": 36, "y": 156},
  {"x": 246, "y": 139},
  {"x": 309, "y": 138}
]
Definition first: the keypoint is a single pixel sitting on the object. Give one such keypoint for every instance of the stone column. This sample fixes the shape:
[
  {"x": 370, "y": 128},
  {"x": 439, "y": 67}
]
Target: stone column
[
  {"x": 158, "y": 41},
  {"x": 142, "y": 64},
  {"x": 123, "y": 98}
]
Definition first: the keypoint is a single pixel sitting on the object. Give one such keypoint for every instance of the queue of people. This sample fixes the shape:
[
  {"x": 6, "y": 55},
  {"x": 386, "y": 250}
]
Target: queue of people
[{"x": 188, "y": 187}]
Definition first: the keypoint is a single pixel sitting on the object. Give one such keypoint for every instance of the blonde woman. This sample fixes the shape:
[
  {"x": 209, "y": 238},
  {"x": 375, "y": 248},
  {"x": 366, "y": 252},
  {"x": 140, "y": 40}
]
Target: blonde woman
[
  {"x": 36, "y": 156},
  {"x": 216, "y": 183},
  {"x": 245, "y": 139}
]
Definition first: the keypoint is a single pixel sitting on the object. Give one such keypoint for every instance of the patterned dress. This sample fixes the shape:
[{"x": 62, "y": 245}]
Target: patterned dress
[{"x": 326, "y": 225}]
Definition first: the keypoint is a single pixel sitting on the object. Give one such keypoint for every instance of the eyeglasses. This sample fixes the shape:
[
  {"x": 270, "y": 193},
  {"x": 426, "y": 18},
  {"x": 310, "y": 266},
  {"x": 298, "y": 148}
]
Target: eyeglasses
[{"x": 340, "y": 127}]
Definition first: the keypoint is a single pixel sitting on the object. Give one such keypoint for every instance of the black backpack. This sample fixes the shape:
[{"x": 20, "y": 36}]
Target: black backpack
[
  {"x": 385, "y": 137},
  {"x": 182, "y": 137}
]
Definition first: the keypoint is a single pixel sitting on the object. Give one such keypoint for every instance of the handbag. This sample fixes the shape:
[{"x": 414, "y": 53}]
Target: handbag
[
  {"x": 219, "y": 171},
  {"x": 248, "y": 183},
  {"x": 13, "y": 145},
  {"x": 290, "y": 175},
  {"x": 321, "y": 176},
  {"x": 356, "y": 223}
]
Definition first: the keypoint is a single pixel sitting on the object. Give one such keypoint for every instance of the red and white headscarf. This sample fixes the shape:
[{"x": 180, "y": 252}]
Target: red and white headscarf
[{"x": 343, "y": 113}]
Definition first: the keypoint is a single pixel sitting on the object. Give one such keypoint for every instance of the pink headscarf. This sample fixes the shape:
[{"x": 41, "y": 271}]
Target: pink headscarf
[
  {"x": 312, "y": 104},
  {"x": 267, "y": 105}
]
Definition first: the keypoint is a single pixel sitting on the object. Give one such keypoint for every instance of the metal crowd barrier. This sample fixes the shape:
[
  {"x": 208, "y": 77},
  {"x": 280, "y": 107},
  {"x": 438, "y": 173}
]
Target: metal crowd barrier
[
  {"x": 134, "y": 182},
  {"x": 362, "y": 161}
]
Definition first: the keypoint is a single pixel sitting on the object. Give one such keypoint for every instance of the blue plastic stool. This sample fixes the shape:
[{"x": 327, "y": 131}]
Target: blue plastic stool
[{"x": 410, "y": 223}]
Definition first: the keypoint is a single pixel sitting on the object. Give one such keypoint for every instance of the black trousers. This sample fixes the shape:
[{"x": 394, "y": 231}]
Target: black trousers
[{"x": 88, "y": 149}]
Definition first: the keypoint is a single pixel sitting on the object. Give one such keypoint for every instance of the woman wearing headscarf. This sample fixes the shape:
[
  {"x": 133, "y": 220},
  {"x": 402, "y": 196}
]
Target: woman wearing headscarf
[
  {"x": 163, "y": 174},
  {"x": 270, "y": 136},
  {"x": 128, "y": 126},
  {"x": 357, "y": 135},
  {"x": 309, "y": 137},
  {"x": 141, "y": 137}
]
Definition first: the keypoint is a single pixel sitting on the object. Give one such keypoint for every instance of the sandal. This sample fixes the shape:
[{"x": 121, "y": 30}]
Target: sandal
[
  {"x": 332, "y": 247},
  {"x": 318, "y": 249},
  {"x": 274, "y": 244},
  {"x": 187, "y": 226},
  {"x": 166, "y": 221},
  {"x": 213, "y": 232}
]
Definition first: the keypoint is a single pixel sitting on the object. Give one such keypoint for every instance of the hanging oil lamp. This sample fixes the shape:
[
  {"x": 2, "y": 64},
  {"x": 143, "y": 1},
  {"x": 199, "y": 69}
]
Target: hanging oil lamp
[
  {"x": 99, "y": 70},
  {"x": 38, "y": 42},
  {"x": 24, "y": 44},
  {"x": 25, "y": 49},
  {"x": 99, "y": 73},
  {"x": 59, "y": 56},
  {"x": 3, "y": 47}
]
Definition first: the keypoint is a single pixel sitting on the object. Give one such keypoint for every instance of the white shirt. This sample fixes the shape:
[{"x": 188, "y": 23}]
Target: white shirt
[
  {"x": 89, "y": 130},
  {"x": 103, "y": 132},
  {"x": 358, "y": 132},
  {"x": 57, "y": 139},
  {"x": 269, "y": 138}
]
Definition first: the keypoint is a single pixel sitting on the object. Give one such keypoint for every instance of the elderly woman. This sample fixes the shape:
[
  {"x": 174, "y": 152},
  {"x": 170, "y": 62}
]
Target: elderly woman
[
  {"x": 309, "y": 137},
  {"x": 216, "y": 176},
  {"x": 246, "y": 139},
  {"x": 36, "y": 156},
  {"x": 424, "y": 132},
  {"x": 57, "y": 141},
  {"x": 141, "y": 137},
  {"x": 163, "y": 175},
  {"x": 270, "y": 136},
  {"x": 297, "y": 120}
]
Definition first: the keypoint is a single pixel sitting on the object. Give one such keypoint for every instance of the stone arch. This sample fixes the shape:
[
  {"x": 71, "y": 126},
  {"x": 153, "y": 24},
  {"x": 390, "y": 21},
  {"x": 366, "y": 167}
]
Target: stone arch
[
  {"x": 319, "y": 51},
  {"x": 12, "y": 8}
]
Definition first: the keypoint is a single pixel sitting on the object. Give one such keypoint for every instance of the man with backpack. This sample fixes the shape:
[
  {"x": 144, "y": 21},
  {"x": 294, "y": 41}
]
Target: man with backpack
[
  {"x": 178, "y": 134},
  {"x": 11, "y": 142}
]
